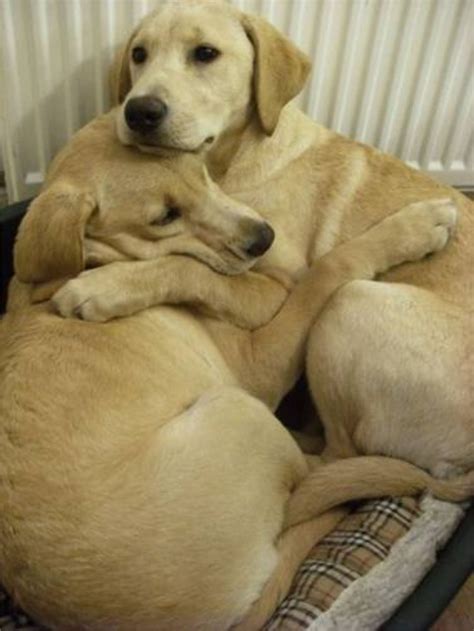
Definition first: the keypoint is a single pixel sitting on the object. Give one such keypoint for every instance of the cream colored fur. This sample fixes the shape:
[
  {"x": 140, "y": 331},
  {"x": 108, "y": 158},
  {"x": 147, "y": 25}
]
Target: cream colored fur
[
  {"x": 141, "y": 485},
  {"x": 390, "y": 364}
]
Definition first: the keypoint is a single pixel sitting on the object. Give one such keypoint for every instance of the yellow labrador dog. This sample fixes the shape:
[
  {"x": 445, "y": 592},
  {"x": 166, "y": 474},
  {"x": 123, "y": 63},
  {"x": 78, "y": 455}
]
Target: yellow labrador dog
[
  {"x": 141, "y": 486},
  {"x": 390, "y": 364}
]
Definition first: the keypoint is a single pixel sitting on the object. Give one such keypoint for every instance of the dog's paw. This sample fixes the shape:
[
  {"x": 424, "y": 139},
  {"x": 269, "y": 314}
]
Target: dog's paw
[
  {"x": 430, "y": 224},
  {"x": 92, "y": 296}
]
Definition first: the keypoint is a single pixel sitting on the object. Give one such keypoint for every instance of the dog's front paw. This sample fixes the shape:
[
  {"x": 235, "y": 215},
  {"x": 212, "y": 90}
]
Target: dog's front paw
[
  {"x": 430, "y": 226},
  {"x": 94, "y": 296}
]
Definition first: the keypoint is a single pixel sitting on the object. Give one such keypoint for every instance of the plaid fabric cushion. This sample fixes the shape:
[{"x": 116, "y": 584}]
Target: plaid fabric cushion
[{"x": 361, "y": 540}]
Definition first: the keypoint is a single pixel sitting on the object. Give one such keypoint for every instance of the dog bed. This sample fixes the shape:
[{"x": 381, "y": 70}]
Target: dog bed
[{"x": 357, "y": 576}]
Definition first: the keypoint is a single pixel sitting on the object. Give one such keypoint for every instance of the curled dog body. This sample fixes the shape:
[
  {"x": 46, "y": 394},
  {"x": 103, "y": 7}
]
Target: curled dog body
[{"x": 142, "y": 482}]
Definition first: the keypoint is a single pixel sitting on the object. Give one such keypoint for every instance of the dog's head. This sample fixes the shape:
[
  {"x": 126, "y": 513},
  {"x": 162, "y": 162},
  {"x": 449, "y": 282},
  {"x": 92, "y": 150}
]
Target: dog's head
[
  {"x": 194, "y": 69},
  {"x": 145, "y": 208}
]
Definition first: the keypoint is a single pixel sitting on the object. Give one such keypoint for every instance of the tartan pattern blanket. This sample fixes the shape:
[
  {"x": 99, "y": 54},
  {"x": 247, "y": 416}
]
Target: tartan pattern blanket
[
  {"x": 360, "y": 542},
  {"x": 362, "y": 539}
]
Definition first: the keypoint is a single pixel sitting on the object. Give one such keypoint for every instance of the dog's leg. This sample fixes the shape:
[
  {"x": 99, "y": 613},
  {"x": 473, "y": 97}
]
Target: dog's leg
[
  {"x": 390, "y": 367},
  {"x": 271, "y": 360},
  {"x": 293, "y": 547},
  {"x": 328, "y": 486},
  {"x": 248, "y": 300}
]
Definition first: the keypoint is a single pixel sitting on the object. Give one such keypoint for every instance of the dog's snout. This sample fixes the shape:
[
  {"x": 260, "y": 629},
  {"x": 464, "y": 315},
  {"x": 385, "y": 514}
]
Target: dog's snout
[
  {"x": 261, "y": 242},
  {"x": 145, "y": 113}
]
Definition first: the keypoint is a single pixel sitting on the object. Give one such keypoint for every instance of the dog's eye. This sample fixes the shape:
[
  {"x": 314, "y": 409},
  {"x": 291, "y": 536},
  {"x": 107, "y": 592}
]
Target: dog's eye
[
  {"x": 205, "y": 54},
  {"x": 139, "y": 54},
  {"x": 171, "y": 214}
]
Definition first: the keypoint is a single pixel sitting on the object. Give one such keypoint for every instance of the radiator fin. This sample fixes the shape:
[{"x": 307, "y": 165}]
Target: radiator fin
[{"x": 394, "y": 73}]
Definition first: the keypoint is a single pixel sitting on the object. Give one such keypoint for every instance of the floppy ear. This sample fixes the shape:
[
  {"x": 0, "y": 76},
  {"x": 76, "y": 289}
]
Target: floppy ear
[
  {"x": 120, "y": 80},
  {"x": 50, "y": 240},
  {"x": 280, "y": 70}
]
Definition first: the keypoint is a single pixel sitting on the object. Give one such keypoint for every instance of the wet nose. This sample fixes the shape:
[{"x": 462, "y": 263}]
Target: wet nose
[
  {"x": 144, "y": 113},
  {"x": 261, "y": 241}
]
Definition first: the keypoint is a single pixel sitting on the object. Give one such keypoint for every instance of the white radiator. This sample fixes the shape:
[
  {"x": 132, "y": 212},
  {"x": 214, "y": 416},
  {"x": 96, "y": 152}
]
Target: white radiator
[{"x": 397, "y": 74}]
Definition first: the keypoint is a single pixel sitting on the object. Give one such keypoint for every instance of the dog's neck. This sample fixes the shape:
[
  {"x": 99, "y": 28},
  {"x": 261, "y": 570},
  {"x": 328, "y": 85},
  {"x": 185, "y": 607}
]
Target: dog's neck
[
  {"x": 245, "y": 157},
  {"x": 221, "y": 155}
]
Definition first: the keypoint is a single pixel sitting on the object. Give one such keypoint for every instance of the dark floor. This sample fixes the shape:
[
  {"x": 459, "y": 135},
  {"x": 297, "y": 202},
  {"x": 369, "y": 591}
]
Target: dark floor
[{"x": 459, "y": 616}]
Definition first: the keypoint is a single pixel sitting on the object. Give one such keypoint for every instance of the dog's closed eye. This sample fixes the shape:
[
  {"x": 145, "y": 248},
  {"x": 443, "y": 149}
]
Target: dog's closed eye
[{"x": 172, "y": 213}]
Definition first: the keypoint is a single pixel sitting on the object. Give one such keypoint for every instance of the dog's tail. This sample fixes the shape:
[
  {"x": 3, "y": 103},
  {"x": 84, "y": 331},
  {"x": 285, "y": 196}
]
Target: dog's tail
[
  {"x": 365, "y": 477},
  {"x": 311, "y": 513},
  {"x": 293, "y": 547}
]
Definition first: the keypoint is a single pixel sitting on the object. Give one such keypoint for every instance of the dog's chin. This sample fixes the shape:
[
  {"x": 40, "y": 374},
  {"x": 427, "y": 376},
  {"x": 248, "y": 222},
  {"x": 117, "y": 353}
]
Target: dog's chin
[
  {"x": 220, "y": 263},
  {"x": 163, "y": 143},
  {"x": 230, "y": 267}
]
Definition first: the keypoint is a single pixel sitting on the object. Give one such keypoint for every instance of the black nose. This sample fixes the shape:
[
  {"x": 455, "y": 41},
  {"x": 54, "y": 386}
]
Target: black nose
[
  {"x": 145, "y": 113},
  {"x": 261, "y": 242}
]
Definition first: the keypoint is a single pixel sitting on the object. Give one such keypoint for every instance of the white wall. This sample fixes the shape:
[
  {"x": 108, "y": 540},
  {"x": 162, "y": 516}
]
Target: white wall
[{"x": 394, "y": 73}]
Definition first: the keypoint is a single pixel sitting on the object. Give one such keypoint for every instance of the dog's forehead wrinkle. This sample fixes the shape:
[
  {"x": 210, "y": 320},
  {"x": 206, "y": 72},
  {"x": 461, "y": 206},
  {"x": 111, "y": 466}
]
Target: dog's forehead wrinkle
[{"x": 186, "y": 33}]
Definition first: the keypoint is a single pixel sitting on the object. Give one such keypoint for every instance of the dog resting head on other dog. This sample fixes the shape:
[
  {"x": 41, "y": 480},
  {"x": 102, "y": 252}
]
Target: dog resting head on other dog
[
  {"x": 104, "y": 202},
  {"x": 183, "y": 80}
]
